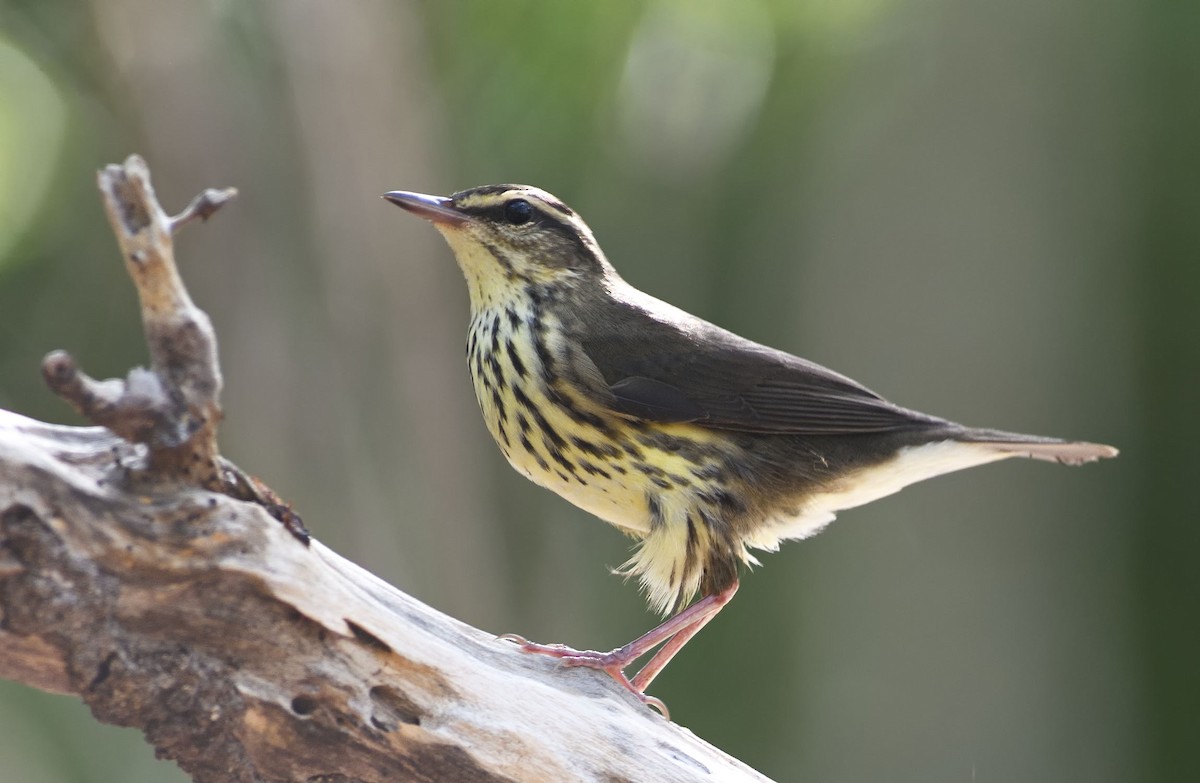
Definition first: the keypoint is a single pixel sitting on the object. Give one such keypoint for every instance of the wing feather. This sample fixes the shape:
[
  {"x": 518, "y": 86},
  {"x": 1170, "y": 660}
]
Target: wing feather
[{"x": 683, "y": 369}]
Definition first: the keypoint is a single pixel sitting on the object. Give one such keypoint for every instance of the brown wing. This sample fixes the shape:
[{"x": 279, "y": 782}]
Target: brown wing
[{"x": 674, "y": 368}]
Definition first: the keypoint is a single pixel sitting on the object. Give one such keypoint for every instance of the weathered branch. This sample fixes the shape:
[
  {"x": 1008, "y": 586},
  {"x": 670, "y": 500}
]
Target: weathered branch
[
  {"x": 144, "y": 573},
  {"x": 174, "y": 408}
]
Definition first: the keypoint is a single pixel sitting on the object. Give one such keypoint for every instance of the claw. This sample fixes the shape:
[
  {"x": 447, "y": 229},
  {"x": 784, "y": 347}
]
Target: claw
[{"x": 656, "y": 703}]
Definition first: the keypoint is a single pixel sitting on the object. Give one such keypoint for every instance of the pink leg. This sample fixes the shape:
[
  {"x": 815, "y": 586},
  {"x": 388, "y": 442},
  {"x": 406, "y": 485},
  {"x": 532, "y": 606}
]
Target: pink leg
[
  {"x": 660, "y": 660},
  {"x": 678, "y": 630}
]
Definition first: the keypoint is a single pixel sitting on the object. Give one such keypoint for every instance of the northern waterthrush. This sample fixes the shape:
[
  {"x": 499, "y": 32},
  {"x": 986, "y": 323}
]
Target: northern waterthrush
[{"x": 700, "y": 443}]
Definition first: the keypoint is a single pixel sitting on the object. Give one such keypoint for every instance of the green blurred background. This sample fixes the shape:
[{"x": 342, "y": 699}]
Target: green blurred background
[{"x": 986, "y": 209}]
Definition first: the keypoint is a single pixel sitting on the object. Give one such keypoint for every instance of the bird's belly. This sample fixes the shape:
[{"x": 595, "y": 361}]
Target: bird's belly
[
  {"x": 605, "y": 484},
  {"x": 602, "y": 464},
  {"x": 617, "y": 502}
]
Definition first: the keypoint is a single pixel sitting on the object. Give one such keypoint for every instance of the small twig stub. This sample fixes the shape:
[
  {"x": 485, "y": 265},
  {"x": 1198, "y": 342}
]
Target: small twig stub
[{"x": 173, "y": 407}]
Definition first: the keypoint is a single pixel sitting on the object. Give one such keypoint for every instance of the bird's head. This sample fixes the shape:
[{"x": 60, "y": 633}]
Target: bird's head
[{"x": 509, "y": 237}]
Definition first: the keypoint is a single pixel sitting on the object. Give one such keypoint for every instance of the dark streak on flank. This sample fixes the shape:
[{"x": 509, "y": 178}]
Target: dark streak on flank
[
  {"x": 541, "y": 461},
  {"x": 564, "y": 402},
  {"x": 497, "y": 371},
  {"x": 632, "y": 450},
  {"x": 551, "y": 435},
  {"x": 650, "y": 470},
  {"x": 498, "y": 401},
  {"x": 478, "y": 365},
  {"x": 656, "y": 514},
  {"x": 594, "y": 470},
  {"x": 548, "y": 432},
  {"x": 598, "y": 450},
  {"x": 496, "y": 333},
  {"x": 518, "y": 365},
  {"x": 522, "y": 398},
  {"x": 557, "y": 455}
]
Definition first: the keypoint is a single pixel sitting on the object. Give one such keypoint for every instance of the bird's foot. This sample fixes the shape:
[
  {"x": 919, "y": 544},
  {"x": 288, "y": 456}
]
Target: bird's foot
[{"x": 613, "y": 662}]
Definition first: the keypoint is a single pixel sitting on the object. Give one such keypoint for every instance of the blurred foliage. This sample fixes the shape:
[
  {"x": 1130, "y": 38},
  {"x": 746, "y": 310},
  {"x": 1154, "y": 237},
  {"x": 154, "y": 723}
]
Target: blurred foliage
[{"x": 985, "y": 210}]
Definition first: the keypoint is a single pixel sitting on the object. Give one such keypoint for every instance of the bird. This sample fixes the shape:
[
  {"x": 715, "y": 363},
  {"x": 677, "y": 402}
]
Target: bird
[{"x": 700, "y": 444}]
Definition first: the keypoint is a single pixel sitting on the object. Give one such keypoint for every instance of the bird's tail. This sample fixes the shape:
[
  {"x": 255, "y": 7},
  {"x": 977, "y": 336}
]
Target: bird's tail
[
  {"x": 952, "y": 448},
  {"x": 1037, "y": 447}
]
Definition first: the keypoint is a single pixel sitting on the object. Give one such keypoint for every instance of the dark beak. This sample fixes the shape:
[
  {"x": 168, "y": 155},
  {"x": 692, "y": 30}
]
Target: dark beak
[{"x": 436, "y": 209}]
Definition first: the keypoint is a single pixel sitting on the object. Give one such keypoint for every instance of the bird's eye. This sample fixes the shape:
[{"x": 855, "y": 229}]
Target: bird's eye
[{"x": 518, "y": 211}]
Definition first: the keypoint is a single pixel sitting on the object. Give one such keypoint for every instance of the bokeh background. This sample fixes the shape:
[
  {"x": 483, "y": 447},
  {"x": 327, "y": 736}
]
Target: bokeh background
[{"x": 987, "y": 209}]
